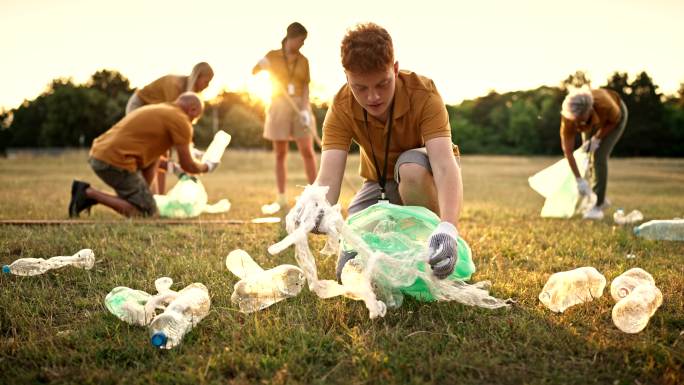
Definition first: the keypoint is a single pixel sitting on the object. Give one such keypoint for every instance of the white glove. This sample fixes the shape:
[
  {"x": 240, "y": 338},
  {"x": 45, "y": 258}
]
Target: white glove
[
  {"x": 305, "y": 118},
  {"x": 443, "y": 246},
  {"x": 303, "y": 212},
  {"x": 211, "y": 166},
  {"x": 197, "y": 154},
  {"x": 174, "y": 167},
  {"x": 591, "y": 145},
  {"x": 583, "y": 187}
]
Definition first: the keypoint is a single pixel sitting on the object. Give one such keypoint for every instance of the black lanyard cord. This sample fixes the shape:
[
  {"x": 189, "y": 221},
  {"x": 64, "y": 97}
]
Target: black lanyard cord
[
  {"x": 382, "y": 179},
  {"x": 290, "y": 71}
]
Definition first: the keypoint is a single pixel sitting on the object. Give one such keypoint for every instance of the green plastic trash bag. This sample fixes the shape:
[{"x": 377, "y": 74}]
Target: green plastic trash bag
[
  {"x": 557, "y": 184},
  {"x": 188, "y": 199},
  {"x": 402, "y": 232}
]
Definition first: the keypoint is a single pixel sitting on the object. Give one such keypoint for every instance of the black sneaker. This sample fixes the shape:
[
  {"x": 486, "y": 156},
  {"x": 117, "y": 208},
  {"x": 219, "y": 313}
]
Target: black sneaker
[{"x": 79, "y": 199}]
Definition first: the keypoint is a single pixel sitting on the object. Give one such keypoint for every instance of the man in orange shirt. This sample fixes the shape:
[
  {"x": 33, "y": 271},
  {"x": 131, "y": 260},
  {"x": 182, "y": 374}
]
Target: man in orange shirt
[
  {"x": 402, "y": 127},
  {"x": 127, "y": 155}
]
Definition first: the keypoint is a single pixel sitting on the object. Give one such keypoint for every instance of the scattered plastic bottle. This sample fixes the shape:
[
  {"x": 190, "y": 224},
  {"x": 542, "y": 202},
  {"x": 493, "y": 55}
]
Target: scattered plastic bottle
[
  {"x": 665, "y": 229},
  {"x": 623, "y": 284},
  {"x": 569, "y": 288},
  {"x": 137, "y": 307},
  {"x": 84, "y": 259},
  {"x": 217, "y": 147},
  {"x": 188, "y": 308},
  {"x": 259, "y": 288},
  {"x": 632, "y": 313},
  {"x": 633, "y": 217}
]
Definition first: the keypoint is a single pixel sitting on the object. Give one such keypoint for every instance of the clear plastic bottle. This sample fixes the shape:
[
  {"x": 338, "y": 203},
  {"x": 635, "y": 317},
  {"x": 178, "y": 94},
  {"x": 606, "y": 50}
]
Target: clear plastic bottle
[
  {"x": 84, "y": 259},
  {"x": 632, "y": 313},
  {"x": 633, "y": 217},
  {"x": 259, "y": 288},
  {"x": 188, "y": 308},
  {"x": 137, "y": 307},
  {"x": 666, "y": 229},
  {"x": 568, "y": 288},
  {"x": 623, "y": 284},
  {"x": 217, "y": 147}
]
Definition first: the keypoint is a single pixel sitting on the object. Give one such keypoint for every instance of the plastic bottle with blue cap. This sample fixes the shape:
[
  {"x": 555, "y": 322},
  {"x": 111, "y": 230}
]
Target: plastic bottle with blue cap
[
  {"x": 188, "y": 308},
  {"x": 665, "y": 229},
  {"x": 84, "y": 259}
]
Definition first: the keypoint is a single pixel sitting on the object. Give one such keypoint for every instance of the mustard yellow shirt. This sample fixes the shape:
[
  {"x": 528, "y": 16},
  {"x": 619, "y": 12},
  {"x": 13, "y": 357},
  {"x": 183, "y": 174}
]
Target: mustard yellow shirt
[
  {"x": 419, "y": 115},
  {"x": 165, "y": 89},
  {"x": 137, "y": 140},
  {"x": 297, "y": 75},
  {"x": 605, "y": 116}
]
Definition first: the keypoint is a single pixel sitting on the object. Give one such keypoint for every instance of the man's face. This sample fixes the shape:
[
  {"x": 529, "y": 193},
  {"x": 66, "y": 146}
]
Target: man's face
[{"x": 374, "y": 91}]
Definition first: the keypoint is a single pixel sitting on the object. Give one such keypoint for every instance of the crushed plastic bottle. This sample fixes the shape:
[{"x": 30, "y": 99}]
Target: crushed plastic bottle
[
  {"x": 84, "y": 259},
  {"x": 259, "y": 288},
  {"x": 623, "y": 284},
  {"x": 372, "y": 274},
  {"x": 634, "y": 216},
  {"x": 187, "y": 199},
  {"x": 632, "y": 313},
  {"x": 137, "y": 307},
  {"x": 217, "y": 147},
  {"x": 183, "y": 313},
  {"x": 569, "y": 288},
  {"x": 669, "y": 230}
]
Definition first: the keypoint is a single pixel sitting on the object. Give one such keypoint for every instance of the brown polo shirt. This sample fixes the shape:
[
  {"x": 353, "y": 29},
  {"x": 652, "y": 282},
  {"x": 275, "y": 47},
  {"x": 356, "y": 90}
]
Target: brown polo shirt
[
  {"x": 137, "y": 140},
  {"x": 419, "y": 115},
  {"x": 165, "y": 89},
  {"x": 604, "y": 118},
  {"x": 291, "y": 71}
]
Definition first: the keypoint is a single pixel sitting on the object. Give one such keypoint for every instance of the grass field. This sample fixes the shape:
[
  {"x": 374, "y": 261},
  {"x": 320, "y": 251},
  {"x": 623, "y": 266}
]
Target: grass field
[{"x": 55, "y": 328}]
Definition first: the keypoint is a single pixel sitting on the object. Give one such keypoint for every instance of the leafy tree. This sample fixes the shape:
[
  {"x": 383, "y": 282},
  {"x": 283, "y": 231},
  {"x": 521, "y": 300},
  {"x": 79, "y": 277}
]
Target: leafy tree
[{"x": 578, "y": 79}]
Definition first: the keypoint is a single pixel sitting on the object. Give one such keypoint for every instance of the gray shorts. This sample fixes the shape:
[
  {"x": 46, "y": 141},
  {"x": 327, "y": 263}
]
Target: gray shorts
[
  {"x": 369, "y": 194},
  {"x": 129, "y": 186}
]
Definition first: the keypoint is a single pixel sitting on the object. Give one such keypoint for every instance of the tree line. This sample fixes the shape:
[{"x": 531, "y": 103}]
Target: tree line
[{"x": 520, "y": 123}]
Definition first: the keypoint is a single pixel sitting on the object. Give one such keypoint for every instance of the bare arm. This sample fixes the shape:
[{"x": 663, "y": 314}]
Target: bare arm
[
  {"x": 447, "y": 175},
  {"x": 568, "y": 144},
  {"x": 331, "y": 172},
  {"x": 187, "y": 163}
]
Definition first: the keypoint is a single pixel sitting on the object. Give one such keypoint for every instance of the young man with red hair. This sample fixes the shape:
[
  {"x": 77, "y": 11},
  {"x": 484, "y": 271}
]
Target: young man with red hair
[{"x": 402, "y": 127}]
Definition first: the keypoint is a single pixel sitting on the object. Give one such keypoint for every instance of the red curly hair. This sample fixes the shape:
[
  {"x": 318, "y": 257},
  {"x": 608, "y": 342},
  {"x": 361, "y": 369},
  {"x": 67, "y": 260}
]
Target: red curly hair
[{"x": 367, "y": 48}]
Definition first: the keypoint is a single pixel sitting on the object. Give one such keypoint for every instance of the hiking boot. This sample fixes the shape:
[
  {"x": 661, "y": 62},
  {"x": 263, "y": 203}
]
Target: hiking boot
[{"x": 79, "y": 199}]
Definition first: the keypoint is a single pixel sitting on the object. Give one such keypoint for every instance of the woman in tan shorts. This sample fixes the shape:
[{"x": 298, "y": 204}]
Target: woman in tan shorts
[
  {"x": 166, "y": 89},
  {"x": 289, "y": 116}
]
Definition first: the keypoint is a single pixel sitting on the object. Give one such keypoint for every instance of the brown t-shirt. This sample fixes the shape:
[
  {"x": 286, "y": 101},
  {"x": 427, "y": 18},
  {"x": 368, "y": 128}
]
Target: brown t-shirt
[
  {"x": 165, "y": 89},
  {"x": 297, "y": 75},
  {"x": 137, "y": 140},
  {"x": 419, "y": 115},
  {"x": 605, "y": 115}
]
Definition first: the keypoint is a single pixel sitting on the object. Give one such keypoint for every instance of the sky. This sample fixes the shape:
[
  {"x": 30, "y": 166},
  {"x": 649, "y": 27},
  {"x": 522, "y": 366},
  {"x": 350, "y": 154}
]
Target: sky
[{"x": 467, "y": 47}]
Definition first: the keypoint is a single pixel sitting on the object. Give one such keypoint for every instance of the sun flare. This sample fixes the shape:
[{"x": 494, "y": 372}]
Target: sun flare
[{"x": 260, "y": 86}]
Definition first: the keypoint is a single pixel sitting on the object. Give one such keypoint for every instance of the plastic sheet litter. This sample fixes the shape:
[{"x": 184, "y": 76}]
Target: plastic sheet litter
[
  {"x": 259, "y": 288},
  {"x": 188, "y": 199},
  {"x": 84, "y": 259},
  {"x": 557, "y": 184},
  {"x": 568, "y": 288},
  {"x": 391, "y": 260}
]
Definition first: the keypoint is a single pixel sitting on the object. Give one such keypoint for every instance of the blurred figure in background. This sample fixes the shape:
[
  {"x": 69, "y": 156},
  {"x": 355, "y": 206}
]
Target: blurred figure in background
[
  {"x": 126, "y": 156},
  {"x": 600, "y": 116},
  {"x": 167, "y": 89},
  {"x": 289, "y": 116}
]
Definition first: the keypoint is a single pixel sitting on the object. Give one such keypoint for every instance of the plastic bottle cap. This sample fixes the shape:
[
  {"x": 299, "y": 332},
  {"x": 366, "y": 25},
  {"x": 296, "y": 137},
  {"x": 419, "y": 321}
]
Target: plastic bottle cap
[
  {"x": 158, "y": 339},
  {"x": 6, "y": 269}
]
